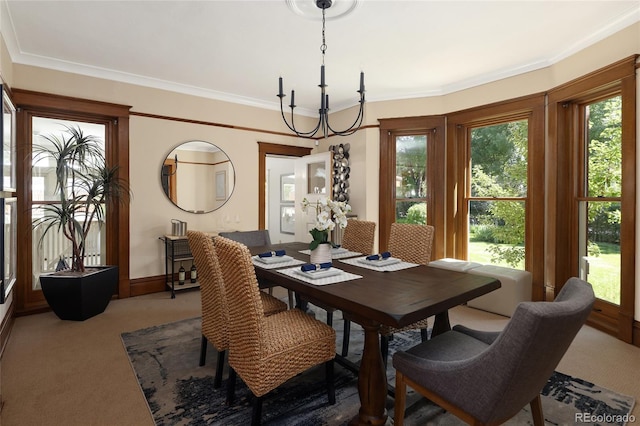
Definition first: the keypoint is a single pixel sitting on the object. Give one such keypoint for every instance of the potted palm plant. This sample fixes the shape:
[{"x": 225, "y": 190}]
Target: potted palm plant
[{"x": 84, "y": 186}]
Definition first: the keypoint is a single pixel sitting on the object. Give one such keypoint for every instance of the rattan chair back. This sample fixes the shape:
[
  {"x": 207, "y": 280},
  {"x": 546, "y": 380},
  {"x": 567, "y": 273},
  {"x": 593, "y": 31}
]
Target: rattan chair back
[
  {"x": 411, "y": 242},
  {"x": 215, "y": 316},
  {"x": 359, "y": 236},
  {"x": 266, "y": 351}
]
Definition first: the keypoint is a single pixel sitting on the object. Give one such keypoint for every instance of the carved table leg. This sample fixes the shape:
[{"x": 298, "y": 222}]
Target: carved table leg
[{"x": 372, "y": 381}]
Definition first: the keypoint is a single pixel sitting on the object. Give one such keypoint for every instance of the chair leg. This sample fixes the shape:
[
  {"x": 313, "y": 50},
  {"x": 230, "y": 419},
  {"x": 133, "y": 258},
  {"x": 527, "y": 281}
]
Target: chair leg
[
  {"x": 330, "y": 319},
  {"x": 424, "y": 334},
  {"x": 331, "y": 387},
  {"x": 292, "y": 302},
  {"x": 231, "y": 386},
  {"x": 217, "y": 381},
  {"x": 346, "y": 335},
  {"x": 536, "y": 411},
  {"x": 203, "y": 350},
  {"x": 384, "y": 350},
  {"x": 400, "y": 399},
  {"x": 256, "y": 413}
]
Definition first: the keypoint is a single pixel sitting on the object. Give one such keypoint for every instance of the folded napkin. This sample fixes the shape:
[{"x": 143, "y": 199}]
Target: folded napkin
[
  {"x": 381, "y": 256},
  {"x": 272, "y": 253},
  {"x": 308, "y": 267}
]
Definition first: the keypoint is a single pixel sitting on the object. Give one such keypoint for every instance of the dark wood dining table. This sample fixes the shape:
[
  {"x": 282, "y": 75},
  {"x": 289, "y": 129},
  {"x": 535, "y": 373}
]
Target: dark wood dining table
[{"x": 396, "y": 299}]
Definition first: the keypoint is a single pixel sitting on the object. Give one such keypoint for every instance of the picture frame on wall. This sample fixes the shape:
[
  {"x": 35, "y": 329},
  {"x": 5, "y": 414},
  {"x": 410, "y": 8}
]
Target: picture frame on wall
[
  {"x": 287, "y": 188},
  {"x": 221, "y": 185},
  {"x": 287, "y": 219}
]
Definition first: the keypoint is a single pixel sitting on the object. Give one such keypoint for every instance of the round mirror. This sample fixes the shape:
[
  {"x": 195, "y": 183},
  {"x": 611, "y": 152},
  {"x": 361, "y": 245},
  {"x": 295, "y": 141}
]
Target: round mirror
[{"x": 197, "y": 177}]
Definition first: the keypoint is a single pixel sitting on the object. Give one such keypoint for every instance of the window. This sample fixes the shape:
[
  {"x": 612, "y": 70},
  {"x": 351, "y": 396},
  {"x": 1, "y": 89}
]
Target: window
[
  {"x": 412, "y": 158},
  {"x": 50, "y": 248},
  {"x": 411, "y": 179},
  {"x": 592, "y": 232},
  {"x": 495, "y": 194},
  {"x": 111, "y": 121},
  {"x": 599, "y": 195}
]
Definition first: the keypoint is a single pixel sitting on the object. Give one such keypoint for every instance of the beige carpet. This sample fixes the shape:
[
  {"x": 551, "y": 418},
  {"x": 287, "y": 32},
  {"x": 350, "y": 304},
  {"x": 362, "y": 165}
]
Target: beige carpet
[{"x": 77, "y": 373}]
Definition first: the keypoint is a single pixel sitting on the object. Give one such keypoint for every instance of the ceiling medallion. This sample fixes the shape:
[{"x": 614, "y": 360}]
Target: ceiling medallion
[{"x": 309, "y": 10}]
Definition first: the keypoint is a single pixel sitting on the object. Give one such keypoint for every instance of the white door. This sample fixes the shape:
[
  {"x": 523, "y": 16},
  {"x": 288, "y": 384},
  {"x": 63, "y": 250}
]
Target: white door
[{"x": 314, "y": 180}]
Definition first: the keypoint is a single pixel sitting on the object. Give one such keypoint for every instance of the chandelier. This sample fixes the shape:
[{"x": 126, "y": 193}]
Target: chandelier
[{"x": 323, "y": 119}]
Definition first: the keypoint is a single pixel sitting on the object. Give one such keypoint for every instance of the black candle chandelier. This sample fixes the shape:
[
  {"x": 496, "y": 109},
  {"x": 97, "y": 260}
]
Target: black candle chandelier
[{"x": 323, "y": 120}]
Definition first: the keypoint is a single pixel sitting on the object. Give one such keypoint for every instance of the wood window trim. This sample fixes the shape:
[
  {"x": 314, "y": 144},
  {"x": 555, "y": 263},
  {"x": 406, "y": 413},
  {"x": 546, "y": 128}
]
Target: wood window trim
[
  {"x": 563, "y": 128},
  {"x": 529, "y": 107},
  {"x": 116, "y": 119},
  {"x": 389, "y": 128}
]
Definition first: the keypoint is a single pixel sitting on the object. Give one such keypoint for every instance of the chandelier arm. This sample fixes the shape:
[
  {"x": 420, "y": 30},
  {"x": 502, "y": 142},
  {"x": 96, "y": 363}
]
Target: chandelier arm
[
  {"x": 292, "y": 126},
  {"x": 351, "y": 129}
]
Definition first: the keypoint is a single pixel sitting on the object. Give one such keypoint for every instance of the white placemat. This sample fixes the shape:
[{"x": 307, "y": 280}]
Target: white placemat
[
  {"x": 357, "y": 261},
  {"x": 336, "y": 255},
  {"x": 333, "y": 279},
  {"x": 275, "y": 265}
]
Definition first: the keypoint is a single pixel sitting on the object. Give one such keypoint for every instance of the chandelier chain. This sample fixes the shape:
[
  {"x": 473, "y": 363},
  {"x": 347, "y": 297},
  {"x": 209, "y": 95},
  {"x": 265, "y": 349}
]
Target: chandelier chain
[{"x": 323, "y": 46}]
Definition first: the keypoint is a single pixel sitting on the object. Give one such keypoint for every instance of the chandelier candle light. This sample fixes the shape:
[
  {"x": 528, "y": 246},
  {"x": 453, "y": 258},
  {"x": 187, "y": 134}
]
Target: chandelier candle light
[
  {"x": 323, "y": 120},
  {"x": 329, "y": 214}
]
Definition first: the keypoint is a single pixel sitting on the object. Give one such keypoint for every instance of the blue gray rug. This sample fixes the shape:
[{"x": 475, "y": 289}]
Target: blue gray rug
[{"x": 179, "y": 392}]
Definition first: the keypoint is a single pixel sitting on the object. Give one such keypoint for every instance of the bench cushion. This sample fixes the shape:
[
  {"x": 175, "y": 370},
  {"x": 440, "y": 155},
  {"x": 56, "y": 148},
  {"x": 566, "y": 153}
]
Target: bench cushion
[{"x": 515, "y": 288}]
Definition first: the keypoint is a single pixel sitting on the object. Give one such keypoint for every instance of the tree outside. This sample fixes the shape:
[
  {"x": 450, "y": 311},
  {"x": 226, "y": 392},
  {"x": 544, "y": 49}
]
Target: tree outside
[
  {"x": 499, "y": 184},
  {"x": 411, "y": 183}
]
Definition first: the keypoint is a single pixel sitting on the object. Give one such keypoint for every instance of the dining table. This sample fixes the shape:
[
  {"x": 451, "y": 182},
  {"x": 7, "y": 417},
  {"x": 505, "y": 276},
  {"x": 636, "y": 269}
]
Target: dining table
[{"x": 397, "y": 295}]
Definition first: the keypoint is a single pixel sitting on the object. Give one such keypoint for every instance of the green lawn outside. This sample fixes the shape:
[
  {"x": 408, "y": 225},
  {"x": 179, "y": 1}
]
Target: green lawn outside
[{"x": 604, "y": 270}]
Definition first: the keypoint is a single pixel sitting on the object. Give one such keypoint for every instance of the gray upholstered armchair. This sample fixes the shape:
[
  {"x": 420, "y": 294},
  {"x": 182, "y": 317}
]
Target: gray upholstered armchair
[{"x": 487, "y": 377}]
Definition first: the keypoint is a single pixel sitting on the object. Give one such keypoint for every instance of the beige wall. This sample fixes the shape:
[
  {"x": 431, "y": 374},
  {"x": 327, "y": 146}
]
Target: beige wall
[{"x": 151, "y": 139}]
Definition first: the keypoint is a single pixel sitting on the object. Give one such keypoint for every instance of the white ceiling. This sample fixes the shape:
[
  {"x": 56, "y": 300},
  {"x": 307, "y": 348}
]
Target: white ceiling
[{"x": 236, "y": 50}]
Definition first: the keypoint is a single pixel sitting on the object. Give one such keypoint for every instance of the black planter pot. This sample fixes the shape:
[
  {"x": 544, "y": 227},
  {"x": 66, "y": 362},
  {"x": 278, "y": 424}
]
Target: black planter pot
[{"x": 78, "y": 298}]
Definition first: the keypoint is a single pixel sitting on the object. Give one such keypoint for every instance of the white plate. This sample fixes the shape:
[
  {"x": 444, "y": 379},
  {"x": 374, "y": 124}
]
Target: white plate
[
  {"x": 338, "y": 250},
  {"x": 322, "y": 273},
  {"x": 380, "y": 263},
  {"x": 273, "y": 259}
]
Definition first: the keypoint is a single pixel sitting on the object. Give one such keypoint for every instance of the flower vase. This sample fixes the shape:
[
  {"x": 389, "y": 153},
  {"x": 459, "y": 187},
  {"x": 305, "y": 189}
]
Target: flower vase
[{"x": 321, "y": 254}]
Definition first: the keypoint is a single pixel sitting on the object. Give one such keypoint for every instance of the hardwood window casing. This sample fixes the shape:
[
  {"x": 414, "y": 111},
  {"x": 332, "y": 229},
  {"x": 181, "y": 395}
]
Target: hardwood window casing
[
  {"x": 459, "y": 126},
  {"x": 433, "y": 127},
  {"x": 564, "y": 139},
  {"x": 116, "y": 120}
]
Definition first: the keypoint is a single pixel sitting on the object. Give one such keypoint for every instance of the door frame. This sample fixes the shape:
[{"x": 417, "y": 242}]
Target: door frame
[{"x": 264, "y": 149}]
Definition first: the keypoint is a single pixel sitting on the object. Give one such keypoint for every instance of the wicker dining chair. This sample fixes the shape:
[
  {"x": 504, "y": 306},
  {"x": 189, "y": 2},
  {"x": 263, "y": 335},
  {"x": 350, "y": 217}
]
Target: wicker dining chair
[
  {"x": 359, "y": 236},
  {"x": 267, "y": 351},
  {"x": 215, "y": 316},
  {"x": 410, "y": 243},
  {"x": 256, "y": 238}
]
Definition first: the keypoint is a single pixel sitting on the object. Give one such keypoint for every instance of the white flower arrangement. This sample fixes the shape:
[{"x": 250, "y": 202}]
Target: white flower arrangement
[{"x": 329, "y": 213}]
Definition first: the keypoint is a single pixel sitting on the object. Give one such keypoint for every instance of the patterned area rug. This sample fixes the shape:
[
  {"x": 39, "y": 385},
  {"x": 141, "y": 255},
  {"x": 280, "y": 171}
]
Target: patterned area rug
[{"x": 179, "y": 392}]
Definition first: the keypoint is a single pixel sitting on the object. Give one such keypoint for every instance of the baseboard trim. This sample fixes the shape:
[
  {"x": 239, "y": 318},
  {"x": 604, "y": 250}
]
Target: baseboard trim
[
  {"x": 147, "y": 285},
  {"x": 6, "y": 326}
]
